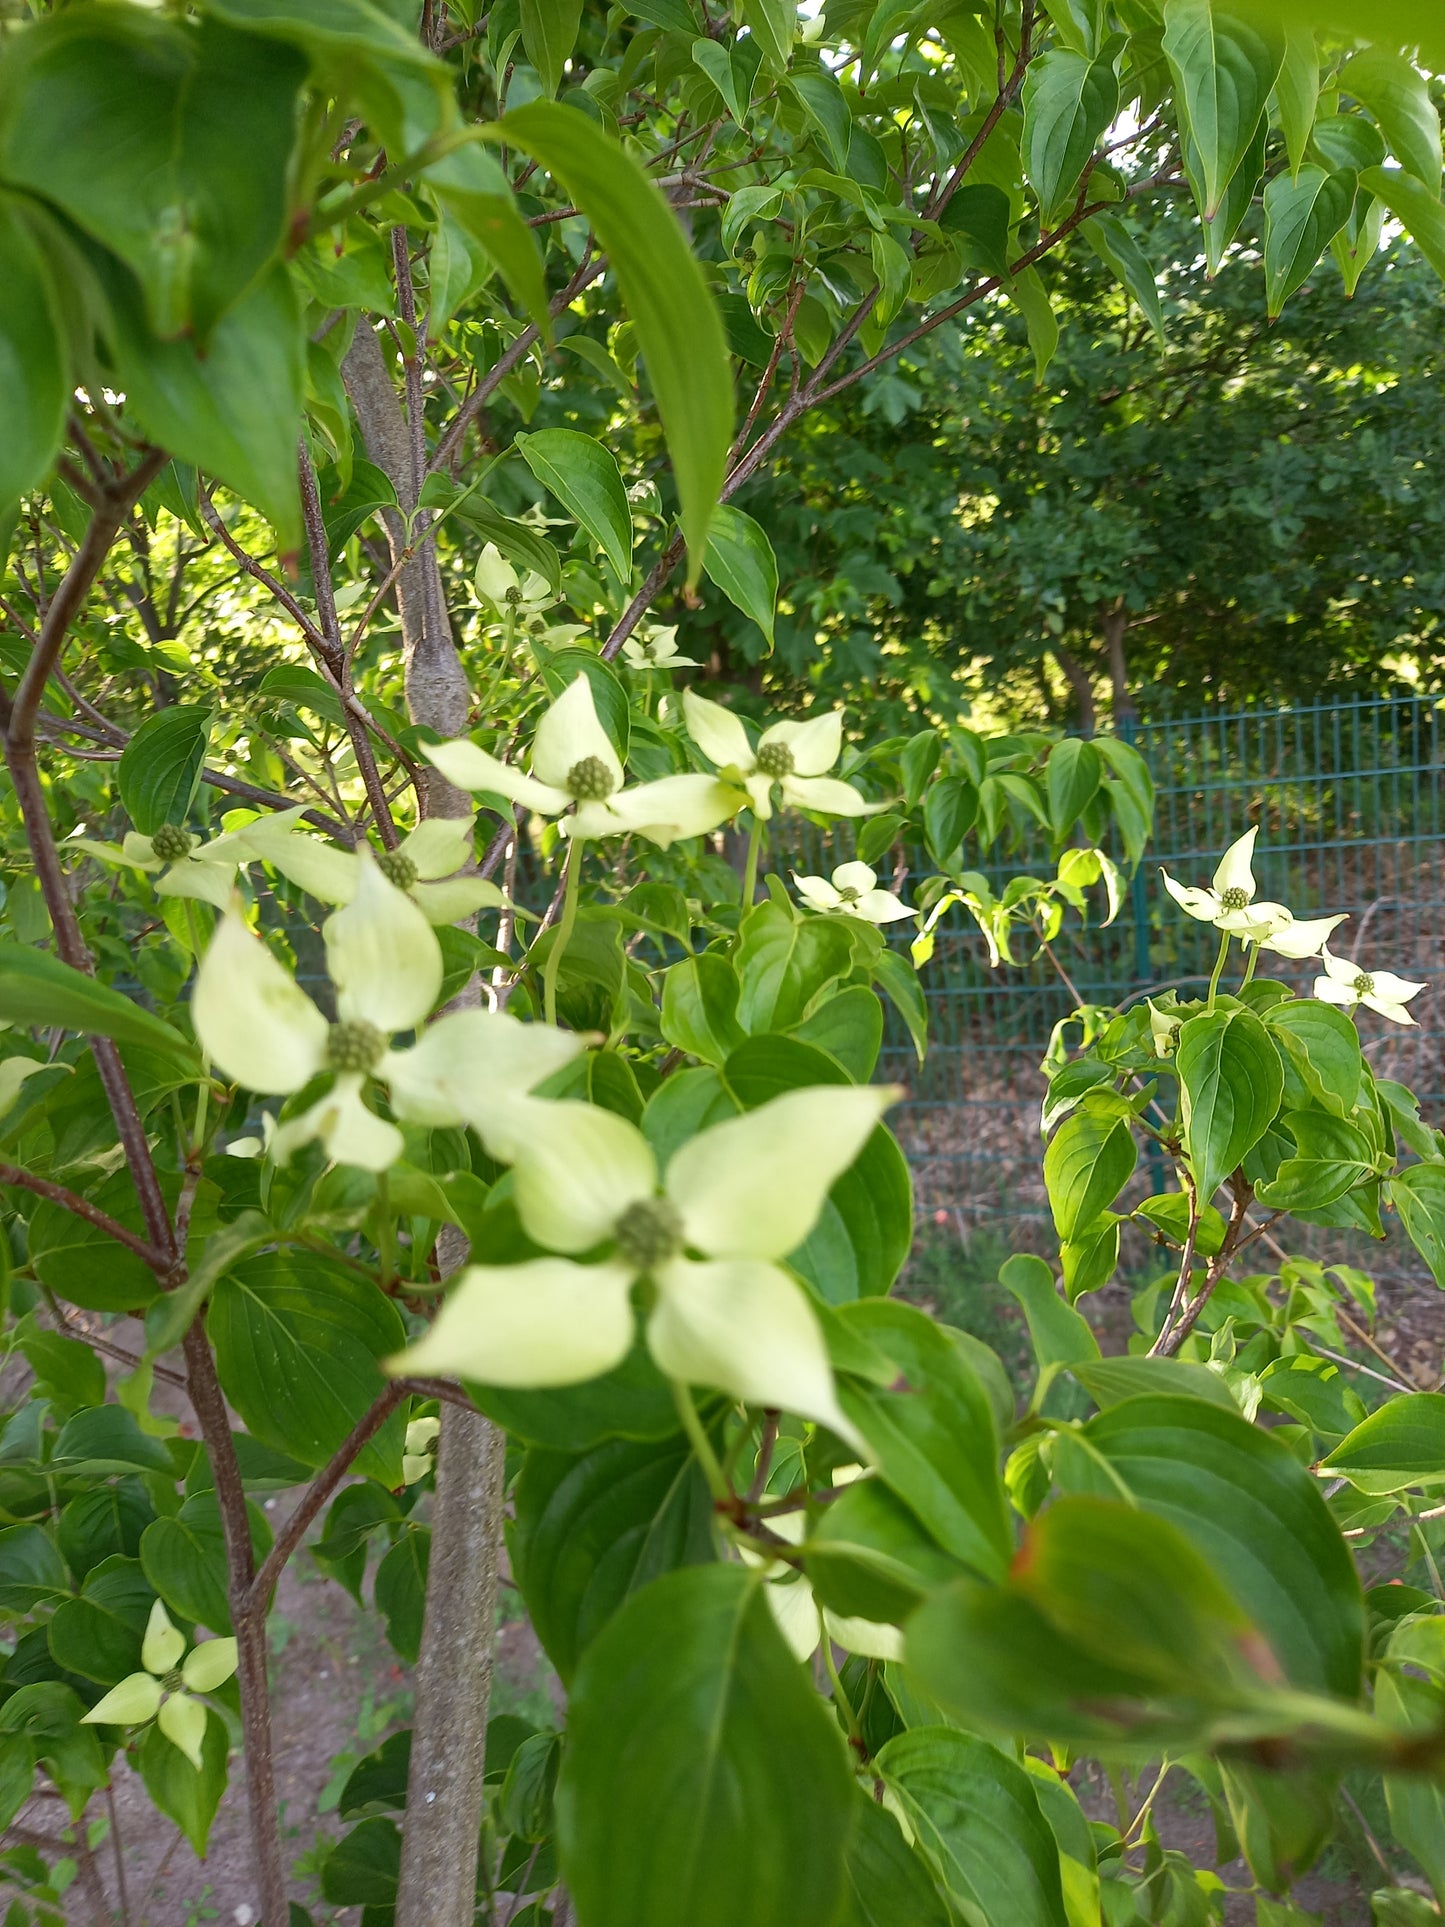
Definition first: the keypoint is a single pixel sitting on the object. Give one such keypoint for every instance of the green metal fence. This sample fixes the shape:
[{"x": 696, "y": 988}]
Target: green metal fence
[{"x": 1347, "y": 797}]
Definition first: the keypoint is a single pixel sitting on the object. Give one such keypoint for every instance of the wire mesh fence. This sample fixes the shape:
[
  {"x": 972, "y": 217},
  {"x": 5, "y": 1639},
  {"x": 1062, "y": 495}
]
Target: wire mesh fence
[{"x": 1347, "y": 797}]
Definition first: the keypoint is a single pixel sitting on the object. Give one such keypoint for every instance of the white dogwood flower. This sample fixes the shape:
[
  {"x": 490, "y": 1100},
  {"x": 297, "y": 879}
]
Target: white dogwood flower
[
  {"x": 852, "y": 893},
  {"x": 1229, "y": 903},
  {"x": 574, "y": 765},
  {"x": 182, "y": 865},
  {"x": 418, "y": 1452},
  {"x": 425, "y": 864},
  {"x": 163, "y": 1691},
  {"x": 497, "y": 582},
  {"x": 261, "y": 1030},
  {"x": 794, "y": 756},
  {"x": 719, "y": 1308},
  {"x": 657, "y": 649},
  {"x": 1345, "y": 984}
]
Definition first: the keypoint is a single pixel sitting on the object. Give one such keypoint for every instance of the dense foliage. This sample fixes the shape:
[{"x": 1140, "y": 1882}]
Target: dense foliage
[{"x": 432, "y": 1061}]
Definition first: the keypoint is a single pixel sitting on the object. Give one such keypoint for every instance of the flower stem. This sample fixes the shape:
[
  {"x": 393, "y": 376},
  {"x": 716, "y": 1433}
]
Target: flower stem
[
  {"x": 750, "y": 868},
  {"x": 1251, "y": 958},
  {"x": 573, "y": 876},
  {"x": 701, "y": 1444},
  {"x": 1218, "y": 968}
]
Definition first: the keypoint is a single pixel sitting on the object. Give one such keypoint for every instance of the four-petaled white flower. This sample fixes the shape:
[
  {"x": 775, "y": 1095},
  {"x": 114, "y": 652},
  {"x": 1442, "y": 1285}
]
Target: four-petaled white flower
[
  {"x": 424, "y": 864},
  {"x": 418, "y": 1452},
  {"x": 1229, "y": 904},
  {"x": 1347, "y": 985},
  {"x": 182, "y": 865},
  {"x": 497, "y": 582},
  {"x": 852, "y": 893},
  {"x": 657, "y": 649},
  {"x": 1301, "y": 936},
  {"x": 794, "y": 756},
  {"x": 741, "y": 1194},
  {"x": 1164, "y": 1026},
  {"x": 264, "y": 1032},
  {"x": 574, "y": 763},
  {"x": 163, "y": 1691}
]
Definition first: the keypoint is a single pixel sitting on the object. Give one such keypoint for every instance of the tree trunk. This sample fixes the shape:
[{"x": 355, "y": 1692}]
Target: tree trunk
[
  {"x": 1115, "y": 623},
  {"x": 454, "y": 1673},
  {"x": 1078, "y": 680}
]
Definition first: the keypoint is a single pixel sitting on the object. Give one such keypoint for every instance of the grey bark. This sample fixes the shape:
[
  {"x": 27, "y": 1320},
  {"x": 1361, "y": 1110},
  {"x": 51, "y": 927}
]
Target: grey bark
[
  {"x": 1116, "y": 626},
  {"x": 441, "y": 1836},
  {"x": 1078, "y": 680}
]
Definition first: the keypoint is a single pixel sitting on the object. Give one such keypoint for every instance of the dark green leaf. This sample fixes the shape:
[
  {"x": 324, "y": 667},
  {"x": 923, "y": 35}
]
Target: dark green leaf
[
  {"x": 99, "y": 1634},
  {"x": 1223, "y": 74},
  {"x": 784, "y": 961},
  {"x": 1302, "y": 215},
  {"x": 949, "y": 808},
  {"x": 699, "y": 1007},
  {"x": 400, "y": 1591},
  {"x": 1418, "y": 1194},
  {"x": 703, "y": 1779},
  {"x": 184, "y": 1558},
  {"x": 849, "y": 1026},
  {"x": 1087, "y": 1164},
  {"x": 1068, "y": 102},
  {"x": 1231, "y": 1087},
  {"x": 183, "y": 1795},
  {"x": 1399, "y": 1446},
  {"x": 549, "y": 33},
  {"x": 886, "y": 1883},
  {"x": 160, "y": 766},
  {"x": 364, "y": 1866},
  {"x": 105, "y": 1440},
  {"x": 586, "y": 480},
  {"x": 31, "y": 1570},
  {"x": 678, "y": 328},
  {"x": 34, "y": 375},
  {"x": 39, "y": 991},
  {"x": 740, "y": 561},
  {"x": 1060, "y": 1335}
]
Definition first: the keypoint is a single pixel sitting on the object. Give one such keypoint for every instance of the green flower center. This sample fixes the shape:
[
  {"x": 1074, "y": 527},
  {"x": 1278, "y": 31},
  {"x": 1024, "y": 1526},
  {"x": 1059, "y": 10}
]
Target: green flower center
[
  {"x": 590, "y": 781},
  {"x": 173, "y": 1681},
  {"x": 849, "y": 895},
  {"x": 397, "y": 869},
  {"x": 1234, "y": 898},
  {"x": 775, "y": 760},
  {"x": 513, "y": 596},
  {"x": 1364, "y": 984},
  {"x": 648, "y": 1233},
  {"x": 171, "y": 842},
  {"x": 354, "y": 1046}
]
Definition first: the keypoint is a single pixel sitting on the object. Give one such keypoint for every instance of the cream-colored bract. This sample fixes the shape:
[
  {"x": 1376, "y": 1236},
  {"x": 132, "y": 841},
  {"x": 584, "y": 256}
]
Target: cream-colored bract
[
  {"x": 1229, "y": 903},
  {"x": 1347, "y": 984},
  {"x": 145, "y": 1696},
  {"x": 206, "y": 872},
  {"x": 262, "y": 1031},
  {"x": 794, "y": 756},
  {"x": 431, "y": 856},
  {"x": 656, "y": 648},
  {"x": 708, "y": 1237},
  {"x": 575, "y": 767},
  {"x": 853, "y": 892},
  {"x": 497, "y": 582}
]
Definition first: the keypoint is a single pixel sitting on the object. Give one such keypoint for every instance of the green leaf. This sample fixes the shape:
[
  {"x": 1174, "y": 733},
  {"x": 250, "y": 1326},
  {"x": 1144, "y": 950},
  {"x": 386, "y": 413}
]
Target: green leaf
[
  {"x": 1068, "y": 102},
  {"x": 473, "y": 189},
  {"x": 977, "y": 1818},
  {"x": 184, "y": 1557},
  {"x": 31, "y": 1570},
  {"x": 1060, "y": 1335},
  {"x": 83, "y": 1264},
  {"x": 826, "y": 106},
  {"x": 1331, "y": 1158},
  {"x": 586, "y": 480},
  {"x": 869, "y": 1557},
  {"x": 1297, "y": 90},
  {"x": 861, "y": 1241},
  {"x": 1251, "y": 1510},
  {"x": 590, "y": 1529},
  {"x": 1090, "y": 1260},
  {"x": 678, "y": 329},
  {"x": 1224, "y": 72},
  {"x": 635, "y": 1401},
  {"x": 99, "y": 1633},
  {"x": 1313, "y": 1392},
  {"x": 1402, "y": 1445},
  {"x": 1398, "y": 95},
  {"x": 48, "y": 1713},
  {"x": 399, "y": 1591},
  {"x": 34, "y": 373},
  {"x": 1087, "y": 1164},
  {"x": 1231, "y": 1084},
  {"x": 297, "y": 1338},
  {"x": 741, "y": 562},
  {"x": 772, "y": 24},
  {"x": 885, "y": 1882},
  {"x": 1118, "y": 250},
  {"x": 38, "y": 991},
  {"x": 1418, "y": 1194},
  {"x": 1302, "y": 215},
  {"x": 1074, "y": 772},
  {"x": 783, "y": 962},
  {"x": 169, "y": 1317},
  {"x": 849, "y": 1026},
  {"x": 1322, "y": 1048},
  {"x": 364, "y": 1868},
  {"x": 1109, "y": 1381},
  {"x": 183, "y": 1795},
  {"x": 725, "y": 74},
  {"x": 933, "y": 1442},
  {"x": 704, "y": 1780},
  {"x": 949, "y": 808},
  {"x": 130, "y": 123},
  {"x": 104, "y": 1523},
  {"x": 160, "y": 766},
  {"x": 105, "y": 1440},
  {"x": 549, "y": 33},
  {"x": 1029, "y": 295},
  {"x": 898, "y": 980},
  {"x": 236, "y": 411},
  {"x": 1413, "y": 205},
  {"x": 699, "y": 1007}
]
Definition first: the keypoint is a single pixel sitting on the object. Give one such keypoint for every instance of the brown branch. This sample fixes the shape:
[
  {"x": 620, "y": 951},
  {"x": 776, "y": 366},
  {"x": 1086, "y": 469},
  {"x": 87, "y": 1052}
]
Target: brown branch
[
  {"x": 1167, "y": 1344},
  {"x": 259, "y": 573},
  {"x": 331, "y": 651},
  {"x": 319, "y": 1491},
  {"x": 1007, "y": 93},
  {"x": 160, "y": 1262}
]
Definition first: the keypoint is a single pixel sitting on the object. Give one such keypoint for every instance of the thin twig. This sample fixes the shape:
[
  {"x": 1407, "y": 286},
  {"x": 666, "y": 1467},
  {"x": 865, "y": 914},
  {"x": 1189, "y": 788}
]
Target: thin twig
[{"x": 159, "y": 1262}]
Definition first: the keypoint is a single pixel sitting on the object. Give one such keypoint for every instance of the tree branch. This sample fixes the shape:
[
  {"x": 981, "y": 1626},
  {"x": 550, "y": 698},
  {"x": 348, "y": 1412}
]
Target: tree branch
[{"x": 160, "y": 1262}]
